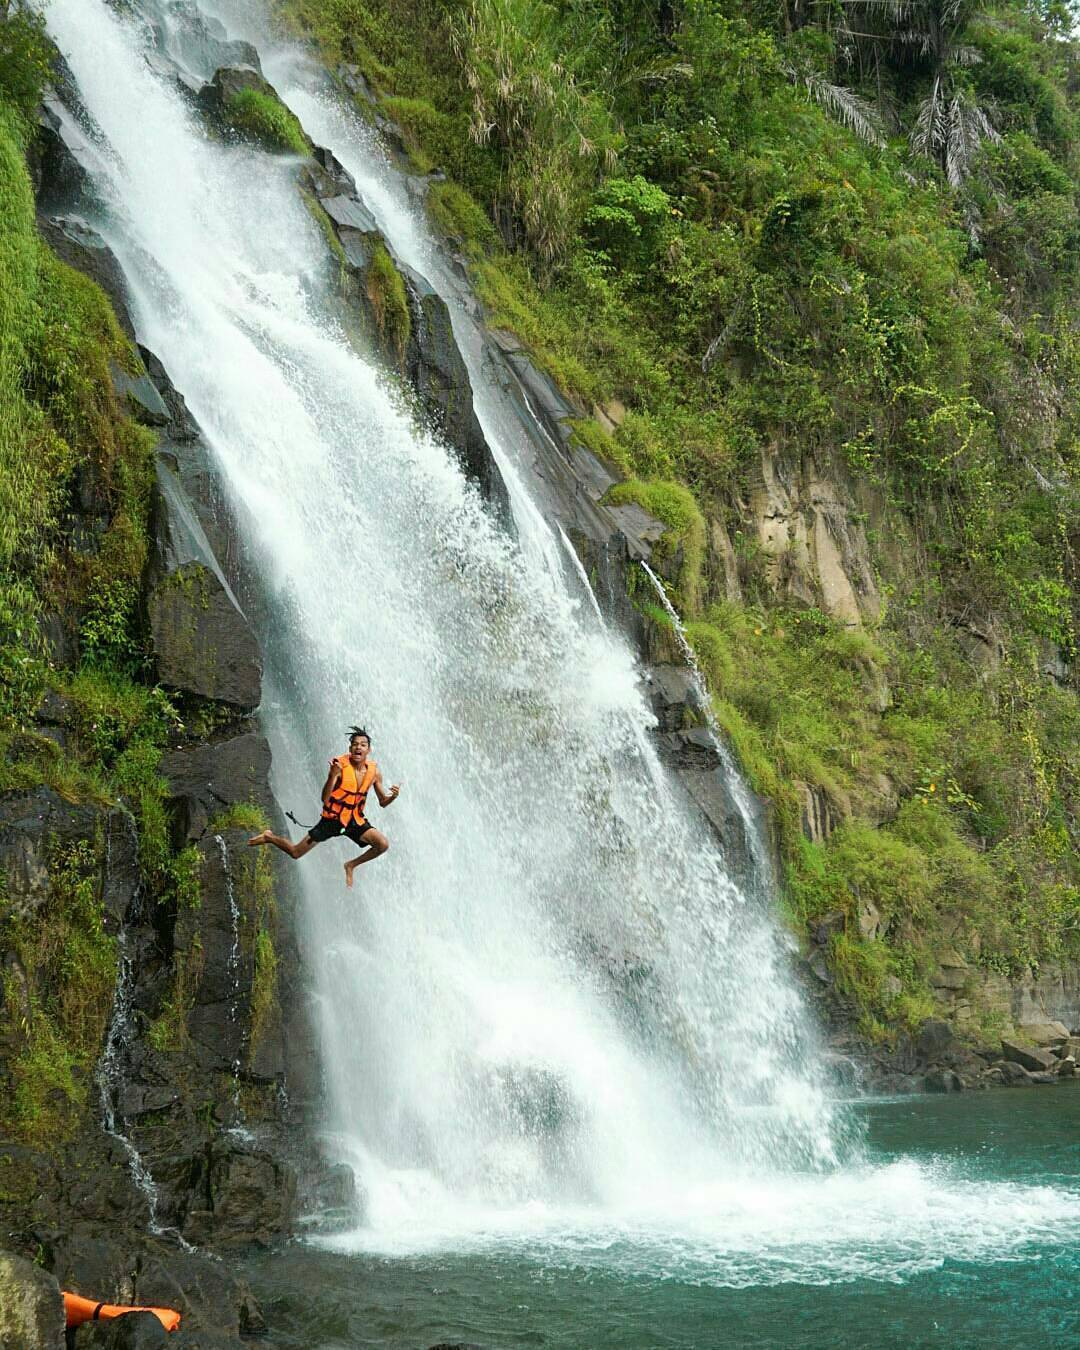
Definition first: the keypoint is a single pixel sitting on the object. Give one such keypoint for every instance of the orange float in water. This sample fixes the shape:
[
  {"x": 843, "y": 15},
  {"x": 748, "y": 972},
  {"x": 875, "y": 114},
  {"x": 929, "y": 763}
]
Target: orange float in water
[{"x": 78, "y": 1310}]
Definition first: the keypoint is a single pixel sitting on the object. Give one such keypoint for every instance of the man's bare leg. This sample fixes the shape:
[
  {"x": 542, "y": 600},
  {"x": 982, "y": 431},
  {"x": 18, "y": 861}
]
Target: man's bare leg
[
  {"x": 377, "y": 844},
  {"x": 295, "y": 851}
]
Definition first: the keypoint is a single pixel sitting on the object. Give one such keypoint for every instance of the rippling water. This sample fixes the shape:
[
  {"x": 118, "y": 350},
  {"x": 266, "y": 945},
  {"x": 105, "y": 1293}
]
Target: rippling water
[{"x": 973, "y": 1238}]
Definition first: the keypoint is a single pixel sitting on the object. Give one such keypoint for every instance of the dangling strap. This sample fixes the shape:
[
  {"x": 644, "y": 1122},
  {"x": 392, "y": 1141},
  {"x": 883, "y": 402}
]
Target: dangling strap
[{"x": 291, "y": 817}]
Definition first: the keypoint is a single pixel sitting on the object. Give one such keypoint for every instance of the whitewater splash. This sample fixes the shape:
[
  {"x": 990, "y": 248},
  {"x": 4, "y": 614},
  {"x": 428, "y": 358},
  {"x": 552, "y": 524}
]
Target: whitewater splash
[{"x": 549, "y": 1007}]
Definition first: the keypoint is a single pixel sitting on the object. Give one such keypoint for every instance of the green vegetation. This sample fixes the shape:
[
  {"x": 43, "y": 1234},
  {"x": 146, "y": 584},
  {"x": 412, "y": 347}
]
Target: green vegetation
[
  {"x": 848, "y": 236},
  {"x": 675, "y": 506},
  {"x": 265, "y": 119},
  {"x": 168, "y": 1032},
  {"x": 60, "y": 989},
  {"x": 240, "y": 816},
  {"x": 259, "y": 908},
  {"x": 263, "y": 987},
  {"x": 386, "y": 291},
  {"x": 461, "y": 218}
]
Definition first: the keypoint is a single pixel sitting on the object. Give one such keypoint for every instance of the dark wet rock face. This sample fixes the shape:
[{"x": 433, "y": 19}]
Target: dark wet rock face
[
  {"x": 438, "y": 373},
  {"x": 202, "y": 641},
  {"x": 205, "y": 778},
  {"x": 421, "y": 344}
]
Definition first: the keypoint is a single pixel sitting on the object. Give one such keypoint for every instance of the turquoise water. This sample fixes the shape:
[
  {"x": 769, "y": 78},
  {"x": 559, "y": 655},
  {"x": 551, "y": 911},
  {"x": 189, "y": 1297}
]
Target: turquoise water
[{"x": 962, "y": 1228}]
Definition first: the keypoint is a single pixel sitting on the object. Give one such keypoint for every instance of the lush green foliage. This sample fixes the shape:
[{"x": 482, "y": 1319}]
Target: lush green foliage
[{"x": 69, "y": 967}]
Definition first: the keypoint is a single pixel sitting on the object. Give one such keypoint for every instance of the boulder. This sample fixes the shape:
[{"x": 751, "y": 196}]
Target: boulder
[
  {"x": 1012, "y": 1073},
  {"x": 1029, "y": 1057},
  {"x": 1049, "y": 1033},
  {"x": 871, "y": 924},
  {"x": 217, "y": 946},
  {"x": 428, "y": 355},
  {"x": 205, "y": 779},
  {"x": 953, "y": 972},
  {"x": 827, "y": 926},
  {"x": 202, "y": 641},
  {"x": 216, "y": 97},
  {"x": 56, "y": 156},
  {"x": 133, "y": 1331},
  {"x": 437, "y": 371},
  {"x": 943, "y": 1080},
  {"x": 31, "y": 1309},
  {"x": 200, "y": 44},
  {"x": 1066, "y": 1067},
  {"x": 673, "y": 695},
  {"x": 936, "y": 1039},
  {"x": 228, "y": 81},
  {"x": 32, "y": 824},
  {"x": 182, "y": 427},
  {"x": 819, "y": 965},
  {"x": 817, "y": 817},
  {"x": 813, "y": 546},
  {"x": 253, "y": 1197}
]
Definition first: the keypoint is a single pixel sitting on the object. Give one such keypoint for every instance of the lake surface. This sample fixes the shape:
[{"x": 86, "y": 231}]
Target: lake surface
[{"x": 960, "y": 1227}]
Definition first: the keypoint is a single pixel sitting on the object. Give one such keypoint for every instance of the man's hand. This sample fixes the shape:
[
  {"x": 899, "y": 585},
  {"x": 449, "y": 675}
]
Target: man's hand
[{"x": 394, "y": 791}]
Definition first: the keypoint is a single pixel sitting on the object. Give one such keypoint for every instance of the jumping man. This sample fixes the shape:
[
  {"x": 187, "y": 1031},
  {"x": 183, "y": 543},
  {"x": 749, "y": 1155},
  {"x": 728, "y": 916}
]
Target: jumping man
[{"x": 344, "y": 794}]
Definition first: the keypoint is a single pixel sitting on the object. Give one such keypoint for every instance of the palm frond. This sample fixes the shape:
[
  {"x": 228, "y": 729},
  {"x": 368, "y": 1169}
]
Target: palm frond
[
  {"x": 967, "y": 126},
  {"x": 854, "y": 112},
  {"x": 928, "y": 134}
]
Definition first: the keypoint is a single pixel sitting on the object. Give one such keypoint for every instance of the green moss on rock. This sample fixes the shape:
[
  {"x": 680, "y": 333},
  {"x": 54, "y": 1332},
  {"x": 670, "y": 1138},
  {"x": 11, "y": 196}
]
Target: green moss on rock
[
  {"x": 264, "y": 118},
  {"x": 674, "y": 505},
  {"x": 389, "y": 301}
]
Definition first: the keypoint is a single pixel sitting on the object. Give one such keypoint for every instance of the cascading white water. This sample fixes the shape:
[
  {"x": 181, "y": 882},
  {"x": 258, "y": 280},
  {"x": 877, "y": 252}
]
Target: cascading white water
[{"x": 549, "y": 995}]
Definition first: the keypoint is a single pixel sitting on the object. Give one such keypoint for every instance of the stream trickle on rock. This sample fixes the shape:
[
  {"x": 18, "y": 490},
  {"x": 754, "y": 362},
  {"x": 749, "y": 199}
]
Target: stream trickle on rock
[{"x": 549, "y": 1010}]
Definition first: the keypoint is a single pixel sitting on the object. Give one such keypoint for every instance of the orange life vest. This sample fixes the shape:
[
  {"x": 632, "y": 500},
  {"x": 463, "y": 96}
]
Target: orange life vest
[
  {"x": 78, "y": 1310},
  {"x": 346, "y": 802}
]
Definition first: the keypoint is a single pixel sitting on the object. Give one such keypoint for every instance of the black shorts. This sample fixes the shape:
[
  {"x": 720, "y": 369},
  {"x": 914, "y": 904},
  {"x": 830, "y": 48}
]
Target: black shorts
[{"x": 330, "y": 829}]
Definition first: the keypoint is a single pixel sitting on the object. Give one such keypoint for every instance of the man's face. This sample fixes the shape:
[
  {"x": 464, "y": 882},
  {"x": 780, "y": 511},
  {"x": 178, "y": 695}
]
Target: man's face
[{"x": 358, "y": 748}]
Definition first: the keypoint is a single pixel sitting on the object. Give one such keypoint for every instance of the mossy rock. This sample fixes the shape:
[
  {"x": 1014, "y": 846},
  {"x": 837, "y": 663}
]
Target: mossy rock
[
  {"x": 385, "y": 289},
  {"x": 679, "y": 551},
  {"x": 242, "y": 100}
]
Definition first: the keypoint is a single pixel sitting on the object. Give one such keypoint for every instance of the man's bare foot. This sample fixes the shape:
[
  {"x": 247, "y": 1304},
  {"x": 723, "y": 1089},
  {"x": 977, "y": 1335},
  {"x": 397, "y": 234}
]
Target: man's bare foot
[
  {"x": 259, "y": 838},
  {"x": 349, "y": 869}
]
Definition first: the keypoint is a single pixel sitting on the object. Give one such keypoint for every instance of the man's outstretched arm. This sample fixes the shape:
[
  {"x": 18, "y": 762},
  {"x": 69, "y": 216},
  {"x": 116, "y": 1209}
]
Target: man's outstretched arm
[{"x": 385, "y": 798}]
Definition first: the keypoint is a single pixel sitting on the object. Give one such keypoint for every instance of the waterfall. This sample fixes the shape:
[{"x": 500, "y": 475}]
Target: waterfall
[{"x": 550, "y": 992}]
